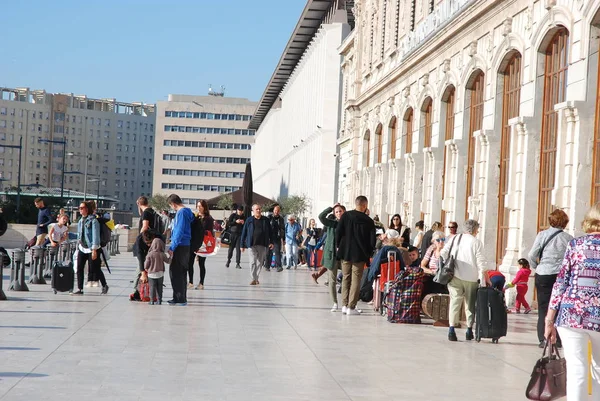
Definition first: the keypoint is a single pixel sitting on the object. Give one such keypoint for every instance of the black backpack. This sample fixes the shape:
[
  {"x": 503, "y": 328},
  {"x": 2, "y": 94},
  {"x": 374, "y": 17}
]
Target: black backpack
[
  {"x": 105, "y": 232},
  {"x": 159, "y": 225},
  {"x": 197, "y": 233}
]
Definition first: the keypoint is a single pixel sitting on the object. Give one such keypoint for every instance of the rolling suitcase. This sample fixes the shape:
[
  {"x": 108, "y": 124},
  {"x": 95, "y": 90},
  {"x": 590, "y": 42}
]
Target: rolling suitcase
[
  {"x": 490, "y": 315},
  {"x": 63, "y": 276},
  {"x": 403, "y": 301},
  {"x": 388, "y": 272}
]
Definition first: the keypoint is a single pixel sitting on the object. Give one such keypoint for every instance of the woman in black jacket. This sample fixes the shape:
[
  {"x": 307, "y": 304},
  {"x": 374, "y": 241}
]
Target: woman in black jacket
[
  {"x": 208, "y": 224},
  {"x": 404, "y": 231}
]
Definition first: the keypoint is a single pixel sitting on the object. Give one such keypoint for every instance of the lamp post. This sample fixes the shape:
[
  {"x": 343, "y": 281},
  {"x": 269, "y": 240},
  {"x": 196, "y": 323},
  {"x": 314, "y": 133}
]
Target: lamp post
[
  {"x": 98, "y": 180},
  {"x": 85, "y": 173},
  {"x": 62, "y": 175},
  {"x": 20, "y": 147}
]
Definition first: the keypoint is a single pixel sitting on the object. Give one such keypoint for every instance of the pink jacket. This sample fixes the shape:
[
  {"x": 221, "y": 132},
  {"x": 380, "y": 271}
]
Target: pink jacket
[{"x": 522, "y": 277}]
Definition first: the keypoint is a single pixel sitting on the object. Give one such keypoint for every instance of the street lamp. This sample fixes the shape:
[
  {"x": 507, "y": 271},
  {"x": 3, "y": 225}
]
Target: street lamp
[
  {"x": 62, "y": 175},
  {"x": 85, "y": 174},
  {"x": 20, "y": 147}
]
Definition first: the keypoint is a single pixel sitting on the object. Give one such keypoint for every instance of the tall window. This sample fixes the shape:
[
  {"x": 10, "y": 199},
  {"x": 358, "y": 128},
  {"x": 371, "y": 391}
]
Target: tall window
[
  {"x": 408, "y": 129},
  {"x": 413, "y": 14},
  {"x": 511, "y": 98},
  {"x": 596, "y": 160},
  {"x": 555, "y": 86},
  {"x": 448, "y": 135},
  {"x": 393, "y": 138},
  {"x": 367, "y": 149},
  {"x": 379, "y": 144},
  {"x": 427, "y": 122},
  {"x": 475, "y": 122}
]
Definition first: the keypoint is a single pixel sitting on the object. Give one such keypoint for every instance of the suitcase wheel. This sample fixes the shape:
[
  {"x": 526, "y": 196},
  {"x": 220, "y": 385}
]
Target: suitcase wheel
[
  {"x": 478, "y": 339},
  {"x": 55, "y": 292},
  {"x": 494, "y": 341}
]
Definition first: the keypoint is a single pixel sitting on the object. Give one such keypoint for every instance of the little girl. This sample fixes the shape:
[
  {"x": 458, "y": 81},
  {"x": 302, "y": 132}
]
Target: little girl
[
  {"x": 155, "y": 269},
  {"x": 521, "y": 280}
]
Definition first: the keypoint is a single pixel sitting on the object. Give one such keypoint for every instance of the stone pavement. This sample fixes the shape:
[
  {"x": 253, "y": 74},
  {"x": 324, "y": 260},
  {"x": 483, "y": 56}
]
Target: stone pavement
[{"x": 277, "y": 341}]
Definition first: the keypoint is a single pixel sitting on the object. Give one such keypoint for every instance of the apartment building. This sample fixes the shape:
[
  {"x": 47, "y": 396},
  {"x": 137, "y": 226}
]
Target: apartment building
[
  {"x": 116, "y": 138},
  {"x": 202, "y": 145}
]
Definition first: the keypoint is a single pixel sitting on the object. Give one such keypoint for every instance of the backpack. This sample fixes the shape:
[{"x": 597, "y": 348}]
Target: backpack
[
  {"x": 209, "y": 244},
  {"x": 106, "y": 227},
  {"x": 197, "y": 233},
  {"x": 159, "y": 225}
]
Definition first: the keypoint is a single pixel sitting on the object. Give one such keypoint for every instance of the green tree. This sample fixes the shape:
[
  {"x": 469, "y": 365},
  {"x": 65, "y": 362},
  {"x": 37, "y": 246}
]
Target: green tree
[
  {"x": 295, "y": 204},
  {"x": 225, "y": 202},
  {"x": 159, "y": 202}
]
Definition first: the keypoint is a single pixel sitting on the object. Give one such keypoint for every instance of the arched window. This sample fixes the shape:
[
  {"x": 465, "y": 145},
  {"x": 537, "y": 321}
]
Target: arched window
[
  {"x": 393, "y": 138},
  {"x": 427, "y": 121},
  {"x": 475, "y": 95},
  {"x": 408, "y": 129},
  {"x": 367, "y": 149},
  {"x": 448, "y": 100},
  {"x": 379, "y": 144},
  {"x": 555, "y": 85},
  {"x": 511, "y": 99}
]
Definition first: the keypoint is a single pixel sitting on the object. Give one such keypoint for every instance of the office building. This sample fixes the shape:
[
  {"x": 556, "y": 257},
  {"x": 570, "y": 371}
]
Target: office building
[
  {"x": 116, "y": 138},
  {"x": 202, "y": 145}
]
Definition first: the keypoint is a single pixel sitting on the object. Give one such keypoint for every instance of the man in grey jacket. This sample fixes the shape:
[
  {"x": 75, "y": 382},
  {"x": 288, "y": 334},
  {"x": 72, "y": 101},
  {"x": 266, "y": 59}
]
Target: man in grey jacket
[{"x": 546, "y": 257}]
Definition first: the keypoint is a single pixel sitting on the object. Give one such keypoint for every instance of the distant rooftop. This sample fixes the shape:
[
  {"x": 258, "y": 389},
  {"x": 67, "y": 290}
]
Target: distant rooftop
[
  {"x": 55, "y": 193},
  {"x": 211, "y": 99}
]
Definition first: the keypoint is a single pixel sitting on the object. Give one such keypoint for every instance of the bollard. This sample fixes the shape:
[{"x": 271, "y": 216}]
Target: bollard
[
  {"x": 111, "y": 247},
  {"x": 18, "y": 277},
  {"x": 63, "y": 252},
  {"x": 72, "y": 248},
  {"x": 51, "y": 257},
  {"x": 117, "y": 252},
  {"x": 38, "y": 255},
  {"x": 2, "y": 294}
]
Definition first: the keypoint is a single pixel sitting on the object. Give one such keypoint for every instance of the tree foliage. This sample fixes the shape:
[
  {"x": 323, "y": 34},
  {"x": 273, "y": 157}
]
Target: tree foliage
[
  {"x": 295, "y": 204},
  {"x": 159, "y": 202},
  {"x": 225, "y": 202}
]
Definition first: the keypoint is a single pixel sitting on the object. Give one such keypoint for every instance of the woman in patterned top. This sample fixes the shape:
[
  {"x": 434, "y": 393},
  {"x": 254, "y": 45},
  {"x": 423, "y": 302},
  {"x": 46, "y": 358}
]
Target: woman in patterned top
[
  {"x": 575, "y": 308},
  {"x": 430, "y": 263}
]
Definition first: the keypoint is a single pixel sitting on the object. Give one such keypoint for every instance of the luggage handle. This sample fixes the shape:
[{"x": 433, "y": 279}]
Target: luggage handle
[{"x": 391, "y": 257}]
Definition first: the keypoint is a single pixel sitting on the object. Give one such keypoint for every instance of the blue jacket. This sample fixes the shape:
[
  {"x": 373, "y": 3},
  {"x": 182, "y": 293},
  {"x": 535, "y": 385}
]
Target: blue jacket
[
  {"x": 248, "y": 232},
  {"x": 381, "y": 257},
  {"x": 182, "y": 228},
  {"x": 88, "y": 232},
  {"x": 291, "y": 232},
  {"x": 44, "y": 220}
]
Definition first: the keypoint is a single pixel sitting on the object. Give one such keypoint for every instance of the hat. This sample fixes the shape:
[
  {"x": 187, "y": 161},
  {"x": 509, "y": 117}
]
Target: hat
[{"x": 392, "y": 234}]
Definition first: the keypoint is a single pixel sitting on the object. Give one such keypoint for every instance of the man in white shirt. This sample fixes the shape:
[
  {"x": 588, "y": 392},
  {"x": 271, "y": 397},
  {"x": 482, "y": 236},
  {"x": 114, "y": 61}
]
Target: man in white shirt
[{"x": 470, "y": 265}]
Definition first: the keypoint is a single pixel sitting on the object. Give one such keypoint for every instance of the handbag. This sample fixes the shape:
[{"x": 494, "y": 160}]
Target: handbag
[
  {"x": 549, "y": 377},
  {"x": 445, "y": 271},
  {"x": 226, "y": 237}
]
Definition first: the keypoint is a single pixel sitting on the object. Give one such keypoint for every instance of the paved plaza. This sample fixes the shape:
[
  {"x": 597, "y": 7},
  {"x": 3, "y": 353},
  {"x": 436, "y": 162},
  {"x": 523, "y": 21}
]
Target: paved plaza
[{"x": 276, "y": 341}]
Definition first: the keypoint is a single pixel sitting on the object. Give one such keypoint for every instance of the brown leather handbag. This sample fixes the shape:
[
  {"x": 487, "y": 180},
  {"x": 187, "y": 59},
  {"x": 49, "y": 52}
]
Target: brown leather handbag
[{"x": 549, "y": 377}]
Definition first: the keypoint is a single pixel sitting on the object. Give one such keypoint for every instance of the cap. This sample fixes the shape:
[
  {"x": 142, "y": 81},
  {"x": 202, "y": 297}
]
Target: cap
[{"x": 392, "y": 234}]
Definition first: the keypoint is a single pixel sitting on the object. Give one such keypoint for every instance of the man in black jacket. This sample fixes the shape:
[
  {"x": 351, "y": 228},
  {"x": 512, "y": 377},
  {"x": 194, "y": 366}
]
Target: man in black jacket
[
  {"x": 43, "y": 221},
  {"x": 236, "y": 223},
  {"x": 278, "y": 232},
  {"x": 257, "y": 237},
  {"x": 355, "y": 241}
]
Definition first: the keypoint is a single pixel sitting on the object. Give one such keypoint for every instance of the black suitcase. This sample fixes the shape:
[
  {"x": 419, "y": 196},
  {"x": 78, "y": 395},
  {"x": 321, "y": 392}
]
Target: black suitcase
[
  {"x": 63, "y": 276},
  {"x": 490, "y": 315}
]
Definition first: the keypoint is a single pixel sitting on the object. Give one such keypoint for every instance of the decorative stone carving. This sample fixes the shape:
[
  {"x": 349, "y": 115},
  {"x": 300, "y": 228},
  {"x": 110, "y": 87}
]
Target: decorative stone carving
[
  {"x": 472, "y": 48},
  {"x": 548, "y": 4},
  {"x": 390, "y": 101},
  {"x": 425, "y": 79},
  {"x": 490, "y": 45},
  {"x": 529, "y": 21},
  {"x": 406, "y": 92},
  {"x": 507, "y": 26},
  {"x": 446, "y": 65}
]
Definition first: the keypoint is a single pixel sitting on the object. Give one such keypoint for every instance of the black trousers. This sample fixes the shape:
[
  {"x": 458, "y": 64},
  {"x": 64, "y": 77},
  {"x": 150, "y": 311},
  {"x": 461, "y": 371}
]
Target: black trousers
[
  {"x": 94, "y": 265},
  {"x": 178, "y": 273},
  {"x": 235, "y": 244},
  {"x": 201, "y": 263},
  {"x": 543, "y": 285}
]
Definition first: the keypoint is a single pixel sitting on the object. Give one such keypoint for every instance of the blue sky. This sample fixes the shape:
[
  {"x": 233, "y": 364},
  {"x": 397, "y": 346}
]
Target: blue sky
[{"x": 136, "y": 50}]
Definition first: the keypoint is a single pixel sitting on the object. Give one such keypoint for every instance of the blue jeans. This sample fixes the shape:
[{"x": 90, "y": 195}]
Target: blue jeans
[
  {"x": 311, "y": 253},
  {"x": 498, "y": 282}
]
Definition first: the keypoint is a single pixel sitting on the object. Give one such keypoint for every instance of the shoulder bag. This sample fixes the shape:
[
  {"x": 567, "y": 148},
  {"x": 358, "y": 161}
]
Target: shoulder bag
[
  {"x": 549, "y": 377},
  {"x": 445, "y": 271},
  {"x": 546, "y": 243}
]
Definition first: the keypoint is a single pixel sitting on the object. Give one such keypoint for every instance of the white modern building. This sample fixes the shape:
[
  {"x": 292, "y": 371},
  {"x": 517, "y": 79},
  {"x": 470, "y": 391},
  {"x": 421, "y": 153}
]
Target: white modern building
[
  {"x": 117, "y": 139},
  {"x": 460, "y": 109},
  {"x": 202, "y": 145},
  {"x": 297, "y": 119}
]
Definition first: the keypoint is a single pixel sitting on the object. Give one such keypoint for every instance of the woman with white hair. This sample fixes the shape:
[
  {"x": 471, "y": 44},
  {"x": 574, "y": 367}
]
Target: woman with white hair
[
  {"x": 430, "y": 264},
  {"x": 470, "y": 266}
]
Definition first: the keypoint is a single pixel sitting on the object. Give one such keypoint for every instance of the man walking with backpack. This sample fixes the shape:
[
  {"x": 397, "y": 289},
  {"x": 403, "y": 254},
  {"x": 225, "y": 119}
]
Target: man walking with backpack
[{"x": 355, "y": 241}]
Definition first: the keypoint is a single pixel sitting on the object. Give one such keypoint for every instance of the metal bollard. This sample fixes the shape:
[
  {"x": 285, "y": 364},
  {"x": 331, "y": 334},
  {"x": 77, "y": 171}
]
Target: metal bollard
[
  {"x": 2, "y": 294},
  {"x": 18, "y": 271},
  {"x": 51, "y": 257},
  {"x": 38, "y": 255},
  {"x": 72, "y": 248},
  {"x": 117, "y": 252},
  {"x": 63, "y": 252},
  {"x": 111, "y": 247}
]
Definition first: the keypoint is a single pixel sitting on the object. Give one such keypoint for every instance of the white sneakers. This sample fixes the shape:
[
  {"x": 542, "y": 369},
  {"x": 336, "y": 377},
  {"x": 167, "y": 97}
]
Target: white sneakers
[
  {"x": 334, "y": 308},
  {"x": 344, "y": 310},
  {"x": 353, "y": 312}
]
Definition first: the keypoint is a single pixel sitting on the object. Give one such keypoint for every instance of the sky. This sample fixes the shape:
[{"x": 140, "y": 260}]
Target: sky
[{"x": 143, "y": 50}]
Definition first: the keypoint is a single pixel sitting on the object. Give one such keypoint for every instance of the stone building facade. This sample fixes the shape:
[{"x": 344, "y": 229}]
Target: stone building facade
[{"x": 456, "y": 109}]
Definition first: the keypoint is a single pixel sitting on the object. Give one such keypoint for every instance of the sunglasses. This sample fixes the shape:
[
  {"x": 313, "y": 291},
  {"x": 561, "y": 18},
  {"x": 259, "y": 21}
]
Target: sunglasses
[
  {"x": 453, "y": 227},
  {"x": 440, "y": 240}
]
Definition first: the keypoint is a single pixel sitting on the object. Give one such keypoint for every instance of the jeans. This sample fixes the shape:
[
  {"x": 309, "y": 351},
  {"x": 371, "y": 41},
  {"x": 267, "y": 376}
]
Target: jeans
[
  {"x": 575, "y": 351},
  {"x": 498, "y": 282},
  {"x": 311, "y": 256},
  {"x": 257, "y": 258},
  {"x": 178, "y": 272},
  {"x": 291, "y": 250},
  {"x": 156, "y": 288},
  {"x": 235, "y": 244},
  {"x": 462, "y": 291},
  {"x": 351, "y": 282},
  {"x": 543, "y": 285},
  {"x": 95, "y": 268}
]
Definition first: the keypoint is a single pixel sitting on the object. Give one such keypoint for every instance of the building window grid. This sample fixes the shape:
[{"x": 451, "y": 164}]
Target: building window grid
[
  {"x": 207, "y": 116},
  {"x": 511, "y": 100},
  {"x": 555, "y": 86},
  {"x": 475, "y": 124}
]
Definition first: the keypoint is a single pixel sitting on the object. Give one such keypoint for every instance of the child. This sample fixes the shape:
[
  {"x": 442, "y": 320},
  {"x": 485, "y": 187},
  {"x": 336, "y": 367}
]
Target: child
[
  {"x": 59, "y": 231},
  {"x": 521, "y": 280},
  {"x": 155, "y": 268}
]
